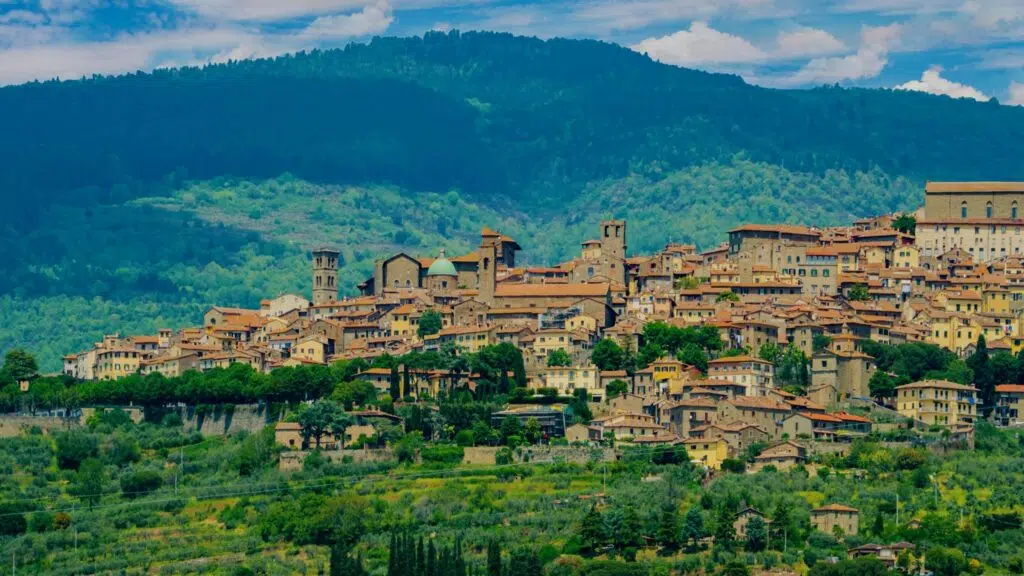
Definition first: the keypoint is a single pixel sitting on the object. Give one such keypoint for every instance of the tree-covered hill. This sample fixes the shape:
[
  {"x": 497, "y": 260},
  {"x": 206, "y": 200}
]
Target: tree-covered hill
[
  {"x": 134, "y": 201},
  {"x": 485, "y": 113}
]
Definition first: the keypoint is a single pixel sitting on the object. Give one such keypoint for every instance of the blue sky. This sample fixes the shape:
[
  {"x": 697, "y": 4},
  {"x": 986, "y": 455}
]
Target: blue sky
[{"x": 963, "y": 48}]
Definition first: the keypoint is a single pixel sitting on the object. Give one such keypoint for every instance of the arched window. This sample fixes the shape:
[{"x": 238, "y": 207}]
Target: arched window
[
  {"x": 1013, "y": 210},
  {"x": 988, "y": 210},
  {"x": 963, "y": 209}
]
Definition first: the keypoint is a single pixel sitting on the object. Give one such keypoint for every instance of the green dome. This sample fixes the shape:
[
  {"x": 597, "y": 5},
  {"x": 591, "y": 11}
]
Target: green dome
[{"x": 442, "y": 267}]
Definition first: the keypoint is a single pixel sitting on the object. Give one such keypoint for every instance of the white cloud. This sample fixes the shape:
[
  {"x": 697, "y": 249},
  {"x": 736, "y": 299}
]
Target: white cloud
[
  {"x": 266, "y": 10},
  {"x": 700, "y": 45},
  {"x": 806, "y": 42},
  {"x": 60, "y": 57},
  {"x": 868, "y": 61},
  {"x": 370, "y": 20},
  {"x": 21, "y": 16},
  {"x": 992, "y": 14},
  {"x": 1016, "y": 94},
  {"x": 932, "y": 82}
]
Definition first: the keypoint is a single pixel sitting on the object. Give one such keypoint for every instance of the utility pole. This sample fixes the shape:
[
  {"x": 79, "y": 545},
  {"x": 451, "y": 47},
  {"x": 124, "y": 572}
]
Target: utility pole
[{"x": 897, "y": 510}]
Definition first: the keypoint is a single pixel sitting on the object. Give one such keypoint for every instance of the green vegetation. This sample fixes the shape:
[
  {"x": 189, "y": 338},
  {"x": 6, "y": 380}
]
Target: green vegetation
[{"x": 189, "y": 504}]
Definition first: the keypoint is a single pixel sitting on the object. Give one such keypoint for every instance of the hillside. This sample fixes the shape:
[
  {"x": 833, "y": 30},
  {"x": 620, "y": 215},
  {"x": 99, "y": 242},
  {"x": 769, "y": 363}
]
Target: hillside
[{"x": 135, "y": 201}]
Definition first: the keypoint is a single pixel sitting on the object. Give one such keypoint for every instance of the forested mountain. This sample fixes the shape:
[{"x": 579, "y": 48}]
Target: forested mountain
[{"x": 136, "y": 200}]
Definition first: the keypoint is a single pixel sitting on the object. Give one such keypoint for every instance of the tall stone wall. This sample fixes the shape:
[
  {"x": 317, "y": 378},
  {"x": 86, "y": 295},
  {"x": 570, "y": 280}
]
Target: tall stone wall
[
  {"x": 11, "y": 426},
  {"x": 248, "y": 417}
]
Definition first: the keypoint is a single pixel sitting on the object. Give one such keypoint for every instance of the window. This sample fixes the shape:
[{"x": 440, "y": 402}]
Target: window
[
  {"x": 825, "y": 273},
  {"x": 988, "y": 210},
  {"x": 963, "y": 209},
  {"x": 1013, "y": 210}
]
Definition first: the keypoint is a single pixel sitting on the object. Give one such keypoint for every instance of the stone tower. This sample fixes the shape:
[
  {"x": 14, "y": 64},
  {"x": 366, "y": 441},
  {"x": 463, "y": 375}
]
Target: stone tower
[
  {"x": 487, "y": 274},
  {"x": 613, "y": 238},
  {"x": 613, "y": 249},
  {"x": 325, "y": 276}
]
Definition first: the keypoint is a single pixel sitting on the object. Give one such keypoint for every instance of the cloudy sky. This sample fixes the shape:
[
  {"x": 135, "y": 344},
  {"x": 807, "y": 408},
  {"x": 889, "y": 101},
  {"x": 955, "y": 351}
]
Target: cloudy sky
[{"x": 964, "y": 48}]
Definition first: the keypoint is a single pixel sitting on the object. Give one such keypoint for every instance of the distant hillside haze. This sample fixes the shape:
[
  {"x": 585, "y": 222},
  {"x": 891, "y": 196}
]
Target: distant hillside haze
[
  {"x": 479, "y": 112},
  {"x": 133, "y": 202}
]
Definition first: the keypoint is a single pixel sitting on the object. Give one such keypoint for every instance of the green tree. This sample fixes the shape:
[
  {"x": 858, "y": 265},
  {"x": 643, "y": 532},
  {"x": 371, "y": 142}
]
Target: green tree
[
  {"x": 559, "y": 357},
  {"x": 735, "y": 568},
  {"x": 945, "y": 561},
  {"x": 532, "y": 431},
  {"x": 727, "y": 296},
  {"x": 510, "y": 427},
  {"x": 343, "y": 563},
  {"x": 430, "y": 323},
  {"x": 89, "y": 480},
  {"x": 493, "y": 558},
  {"x": 757, "y": 534},
  {"x": 820, "y": 342},
  {"x": 321, "y": 418},
  {"x": 693, "y": 527},
  {"x": 591, "y": 531},
  {"x": 616, "y": 388},
  {"x": 608, "y": 355},
  {"x": 74, "y": 447},
  {"x": 18, "y": 365},
  {"x": 882, "y": 385},
  {"x": 905, "y": 223},
  {"x": 668, "y": 527},
  {"x": 725, "y": 532},
  {"x": 982, "y": 369},
  {"x": 858, "y": 292}
]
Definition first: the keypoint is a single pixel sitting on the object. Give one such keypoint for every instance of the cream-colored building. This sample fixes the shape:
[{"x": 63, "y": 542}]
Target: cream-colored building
[
  {"x": 981, "y": 218},
  {"x": 938, "y": 402},
  {"x": 566, "y": 379},
  {"x": 755, "y": 375}
]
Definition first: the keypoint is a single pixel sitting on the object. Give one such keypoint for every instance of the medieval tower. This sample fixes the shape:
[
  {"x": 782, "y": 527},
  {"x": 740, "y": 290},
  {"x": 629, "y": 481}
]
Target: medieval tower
[{"x": 325, "y": 276}]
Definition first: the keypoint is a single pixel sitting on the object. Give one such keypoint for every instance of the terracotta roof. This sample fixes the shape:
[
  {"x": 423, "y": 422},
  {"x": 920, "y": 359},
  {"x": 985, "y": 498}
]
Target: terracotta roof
[
  {"x": 781, "y": 228},
  {"x": 820, "y": 417},
  {"x": 835, "y": 508},
  {"x": 847, "y": 417},
  {"x": 550, "y": 290},
  {"x": 738, "y": 360},
  {"x": 758, "y": 402},
  {"x": 937, "y": 384},
  {"x": 1010, "y": 388}
]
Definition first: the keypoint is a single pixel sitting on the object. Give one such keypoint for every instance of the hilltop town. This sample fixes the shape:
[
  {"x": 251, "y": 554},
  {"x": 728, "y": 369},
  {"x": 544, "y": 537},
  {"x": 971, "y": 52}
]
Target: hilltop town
[{"x": 786, "y": 312}]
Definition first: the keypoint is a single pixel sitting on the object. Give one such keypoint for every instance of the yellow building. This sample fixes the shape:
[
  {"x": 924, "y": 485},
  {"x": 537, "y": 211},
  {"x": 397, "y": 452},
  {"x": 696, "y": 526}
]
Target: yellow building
[
  {"x": 710, "y": 453},
  {"x": 114, "y": 363},
  {"x": 996, "y": 299},
  {"x": 1009, "y": 404},
  {"x": 906, "y": 257},
  {"x": 937, "y": 402},
  {"x": 566, "y": 379},
  {"x": 311, "y": 349},
  {"x": 667, "y": 369},
  {"x": 400, "y": 321}
]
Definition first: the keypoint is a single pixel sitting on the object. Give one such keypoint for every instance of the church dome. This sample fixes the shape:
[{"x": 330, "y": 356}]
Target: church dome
[{"x": 442, "y": 267}]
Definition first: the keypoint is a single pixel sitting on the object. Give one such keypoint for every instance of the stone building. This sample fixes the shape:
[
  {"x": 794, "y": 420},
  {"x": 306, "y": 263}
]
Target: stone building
[{"x": 828, "y": 518}]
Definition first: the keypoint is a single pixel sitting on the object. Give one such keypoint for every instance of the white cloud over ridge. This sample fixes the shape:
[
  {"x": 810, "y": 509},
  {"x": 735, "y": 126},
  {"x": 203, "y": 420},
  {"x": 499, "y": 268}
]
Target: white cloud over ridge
[
  {"x": 698, "y": 45},
  {"x": 932, "y": 82}
]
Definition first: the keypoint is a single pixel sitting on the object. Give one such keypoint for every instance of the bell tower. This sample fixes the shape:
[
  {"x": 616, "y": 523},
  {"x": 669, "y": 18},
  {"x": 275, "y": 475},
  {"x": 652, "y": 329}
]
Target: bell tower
[{"x": 325, "y": 275}]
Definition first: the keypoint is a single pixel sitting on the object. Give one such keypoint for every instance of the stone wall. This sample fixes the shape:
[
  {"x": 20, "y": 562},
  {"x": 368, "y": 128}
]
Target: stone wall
[
  {"x": 248, "y": 417},
  {"x": 11, "y": 425},
  {"x": 292, "y": 460},
  {"x": 485, "y": 455}
]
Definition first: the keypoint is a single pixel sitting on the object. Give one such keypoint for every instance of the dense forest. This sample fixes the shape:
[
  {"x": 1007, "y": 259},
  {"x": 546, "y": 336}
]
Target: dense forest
[{"x": 132, "y": 202}]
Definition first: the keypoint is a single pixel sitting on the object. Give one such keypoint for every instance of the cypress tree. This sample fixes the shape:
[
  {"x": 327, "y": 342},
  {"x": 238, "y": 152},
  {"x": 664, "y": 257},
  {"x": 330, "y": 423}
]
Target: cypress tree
[
  {"x": 493, "y": 558},
  {"x": 431, "y": 569},
  {"x": 420, "y": 568}
]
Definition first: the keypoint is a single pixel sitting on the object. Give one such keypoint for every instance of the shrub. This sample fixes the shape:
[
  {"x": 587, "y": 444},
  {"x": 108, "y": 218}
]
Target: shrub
[
  {"x": 465, "y": 438},
  {"x": 733, "y": 465},
  {"x": 503, "y": 457},
  {"x": 75, "y": 446},
  {"x": 443, "y": 454},
  {"x": 140, "y": 482}
]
